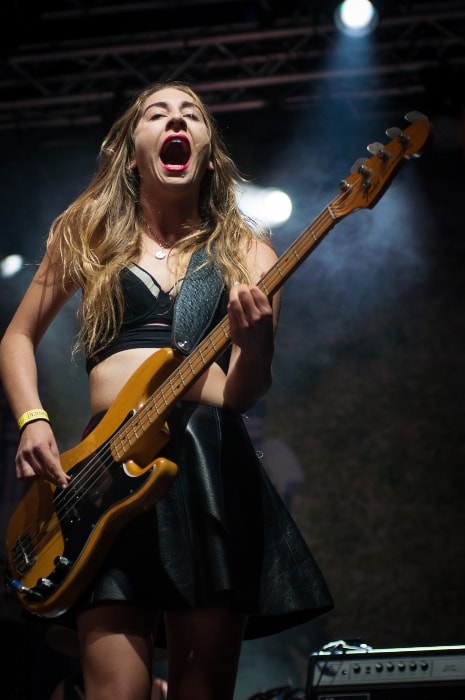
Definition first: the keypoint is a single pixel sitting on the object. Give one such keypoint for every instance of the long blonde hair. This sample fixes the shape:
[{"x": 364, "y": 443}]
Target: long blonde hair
[{"x": 99, "y": 233}]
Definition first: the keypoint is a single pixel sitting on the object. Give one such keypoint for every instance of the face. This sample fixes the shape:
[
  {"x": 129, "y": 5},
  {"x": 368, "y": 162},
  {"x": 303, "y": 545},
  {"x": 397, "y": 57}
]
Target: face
[{"x": 172, "y": 141}]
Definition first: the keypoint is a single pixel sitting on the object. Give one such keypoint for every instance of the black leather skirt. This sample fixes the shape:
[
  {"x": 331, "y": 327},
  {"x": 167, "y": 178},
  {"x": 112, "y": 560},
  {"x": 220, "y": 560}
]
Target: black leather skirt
[{"x": 221, "y": 533}]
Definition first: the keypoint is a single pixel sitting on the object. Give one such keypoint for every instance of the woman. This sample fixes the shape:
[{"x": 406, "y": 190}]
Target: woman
[{"x": 160, "y": 252}]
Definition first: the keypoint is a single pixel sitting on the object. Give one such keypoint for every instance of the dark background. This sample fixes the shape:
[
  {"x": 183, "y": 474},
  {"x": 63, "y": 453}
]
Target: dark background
[{"x": 363, "y": 428}]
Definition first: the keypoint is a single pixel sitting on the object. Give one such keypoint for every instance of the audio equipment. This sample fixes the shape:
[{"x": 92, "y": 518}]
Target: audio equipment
[{"x": 358, "y": 672}]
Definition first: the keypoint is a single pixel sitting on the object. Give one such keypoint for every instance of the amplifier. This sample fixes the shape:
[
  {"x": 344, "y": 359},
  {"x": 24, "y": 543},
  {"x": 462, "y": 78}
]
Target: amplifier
[{"x": 344, "y": 672}]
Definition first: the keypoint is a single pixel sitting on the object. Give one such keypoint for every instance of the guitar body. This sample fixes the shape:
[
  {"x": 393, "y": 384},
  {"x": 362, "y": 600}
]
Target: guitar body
[{"x": 56, "y": 538}]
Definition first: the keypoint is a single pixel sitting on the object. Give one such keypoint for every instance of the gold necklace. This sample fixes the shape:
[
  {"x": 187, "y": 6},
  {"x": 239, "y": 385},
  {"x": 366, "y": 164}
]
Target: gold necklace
[{"x": 164, "y": 246}]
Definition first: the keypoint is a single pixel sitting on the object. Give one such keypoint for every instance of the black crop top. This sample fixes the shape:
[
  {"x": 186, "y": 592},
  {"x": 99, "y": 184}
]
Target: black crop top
[{"x": 147, "y": 316}]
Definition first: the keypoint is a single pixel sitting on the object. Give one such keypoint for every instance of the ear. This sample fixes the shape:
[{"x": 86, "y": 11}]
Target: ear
[
  {"x": 210, "y": 165},
  {"x": 132, "y": 165}
]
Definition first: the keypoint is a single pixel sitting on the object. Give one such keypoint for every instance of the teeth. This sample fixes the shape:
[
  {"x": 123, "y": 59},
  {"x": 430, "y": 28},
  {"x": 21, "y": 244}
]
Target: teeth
[
  {"x": 176, "y": 151},
  {"x": 178, "y": 142}
]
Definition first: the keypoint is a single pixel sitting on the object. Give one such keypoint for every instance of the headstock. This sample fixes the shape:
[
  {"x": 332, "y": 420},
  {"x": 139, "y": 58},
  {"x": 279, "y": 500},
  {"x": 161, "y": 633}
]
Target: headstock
[{"x": 370, "y": 177}]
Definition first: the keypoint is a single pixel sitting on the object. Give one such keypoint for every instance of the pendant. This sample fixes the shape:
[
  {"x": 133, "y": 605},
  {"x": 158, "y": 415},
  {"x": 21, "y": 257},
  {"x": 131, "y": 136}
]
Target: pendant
[{"x": 160, "y": 255}]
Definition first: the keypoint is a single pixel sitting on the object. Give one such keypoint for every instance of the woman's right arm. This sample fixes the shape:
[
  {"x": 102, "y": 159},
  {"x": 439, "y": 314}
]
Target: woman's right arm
[{"x": 38, "y": 454}]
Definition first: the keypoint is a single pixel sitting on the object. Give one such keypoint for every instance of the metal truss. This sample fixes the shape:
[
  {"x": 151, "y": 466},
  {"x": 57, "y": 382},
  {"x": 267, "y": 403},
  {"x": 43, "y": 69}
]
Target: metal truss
[{"x": 81, "y": 61}]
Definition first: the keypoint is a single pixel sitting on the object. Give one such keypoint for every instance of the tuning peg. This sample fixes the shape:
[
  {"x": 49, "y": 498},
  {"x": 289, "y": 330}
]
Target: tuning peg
[
  {"x": 415, "y": 116},
  {"x": 375, "y": 148},
  {"x": 359, "y": 166},
  {"x": 394, "y": 132},
  {"x": 378, "y": 149}
]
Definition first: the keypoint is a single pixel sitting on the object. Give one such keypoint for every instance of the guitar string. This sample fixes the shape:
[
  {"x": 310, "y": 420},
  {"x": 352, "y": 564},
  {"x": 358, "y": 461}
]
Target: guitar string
[
  {"x": 314, "y": 228},
  {"x": 99, "y": 462},
  {"x": 89, "y": 475},
  {"x": 330, "y": 210}
]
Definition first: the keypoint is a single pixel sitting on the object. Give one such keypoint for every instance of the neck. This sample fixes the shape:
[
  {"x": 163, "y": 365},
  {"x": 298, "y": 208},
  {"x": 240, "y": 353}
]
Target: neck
[
  {"x": 171, "y": 216},
  {"x": 167, "y": 227}
]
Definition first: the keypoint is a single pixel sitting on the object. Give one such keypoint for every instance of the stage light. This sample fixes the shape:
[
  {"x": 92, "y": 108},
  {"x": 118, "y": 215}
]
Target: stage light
[
  {"x": 10, "y": 265},
  {"x": 356, "y": 17},
  {"x": 269, "y": 206}
]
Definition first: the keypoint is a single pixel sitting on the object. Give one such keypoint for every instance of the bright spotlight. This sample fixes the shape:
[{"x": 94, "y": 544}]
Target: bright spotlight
[
  {"x": 356, "y": 17},
  {"x": 10, "y": 265},
  {"x": 278, "y": 206},
  {"x": 269, "y": 206}
]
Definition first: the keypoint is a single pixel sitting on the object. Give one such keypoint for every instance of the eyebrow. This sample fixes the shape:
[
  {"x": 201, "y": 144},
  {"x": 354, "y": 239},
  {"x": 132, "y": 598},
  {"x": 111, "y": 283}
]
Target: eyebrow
[{"x": 164, "y": 105}]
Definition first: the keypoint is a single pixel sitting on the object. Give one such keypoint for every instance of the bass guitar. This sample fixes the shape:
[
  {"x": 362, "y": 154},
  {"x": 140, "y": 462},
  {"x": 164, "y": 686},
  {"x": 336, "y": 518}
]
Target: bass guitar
[{"x": 56, "y": 538}]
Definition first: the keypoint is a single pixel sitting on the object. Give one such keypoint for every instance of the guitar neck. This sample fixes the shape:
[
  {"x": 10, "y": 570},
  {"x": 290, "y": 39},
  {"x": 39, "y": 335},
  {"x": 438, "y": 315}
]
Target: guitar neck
[
  {"x": 361, "y": 189},
  {"x": 295, "y": 255},
  {"x": 216, "y": 342}
]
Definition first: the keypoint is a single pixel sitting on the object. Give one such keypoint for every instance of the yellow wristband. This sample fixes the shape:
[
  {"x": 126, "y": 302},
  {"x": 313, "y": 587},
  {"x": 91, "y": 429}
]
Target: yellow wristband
[{"x": 30, "y": 416}]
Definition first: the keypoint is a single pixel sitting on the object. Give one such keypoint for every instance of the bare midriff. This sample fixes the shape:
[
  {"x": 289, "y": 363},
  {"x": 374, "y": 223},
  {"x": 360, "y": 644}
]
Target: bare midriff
[{"x": 109, "y": 376}]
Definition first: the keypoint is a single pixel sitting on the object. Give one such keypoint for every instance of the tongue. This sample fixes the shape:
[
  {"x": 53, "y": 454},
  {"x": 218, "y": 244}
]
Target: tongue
[{"x": 175, "y": 153}]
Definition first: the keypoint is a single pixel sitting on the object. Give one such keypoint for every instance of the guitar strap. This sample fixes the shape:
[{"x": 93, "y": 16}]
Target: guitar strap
[{"x": 197, "y": 303}]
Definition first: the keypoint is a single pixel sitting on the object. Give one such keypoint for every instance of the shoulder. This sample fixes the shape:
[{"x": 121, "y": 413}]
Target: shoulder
[
  {"x": 260, "y": 256},
  {"x": 51, "y": 273}
]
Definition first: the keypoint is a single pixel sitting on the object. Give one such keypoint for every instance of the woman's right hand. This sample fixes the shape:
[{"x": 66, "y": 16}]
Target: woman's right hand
[{"x": 38, "y": 456}]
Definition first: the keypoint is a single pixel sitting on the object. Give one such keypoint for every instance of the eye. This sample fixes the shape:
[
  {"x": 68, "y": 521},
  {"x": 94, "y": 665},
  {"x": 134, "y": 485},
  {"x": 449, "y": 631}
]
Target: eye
[{"x": 191, "y": 115}]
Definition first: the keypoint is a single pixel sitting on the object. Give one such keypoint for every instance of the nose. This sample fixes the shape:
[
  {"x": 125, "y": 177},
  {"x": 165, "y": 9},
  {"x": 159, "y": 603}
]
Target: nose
[{"x": 176, "y": 121}]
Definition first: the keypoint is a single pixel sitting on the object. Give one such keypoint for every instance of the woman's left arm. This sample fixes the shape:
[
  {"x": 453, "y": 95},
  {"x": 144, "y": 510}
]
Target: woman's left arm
[{"x": 253, "y": 322}]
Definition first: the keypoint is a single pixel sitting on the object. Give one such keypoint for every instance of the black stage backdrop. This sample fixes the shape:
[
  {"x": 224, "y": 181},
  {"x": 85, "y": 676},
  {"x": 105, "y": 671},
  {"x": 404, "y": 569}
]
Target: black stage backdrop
[{"x": 363, "y": 430}]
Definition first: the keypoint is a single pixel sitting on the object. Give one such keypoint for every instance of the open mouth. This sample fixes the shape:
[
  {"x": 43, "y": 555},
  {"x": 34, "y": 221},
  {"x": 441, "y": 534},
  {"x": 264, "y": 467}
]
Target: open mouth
[{"x": 176, "y": 151}]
